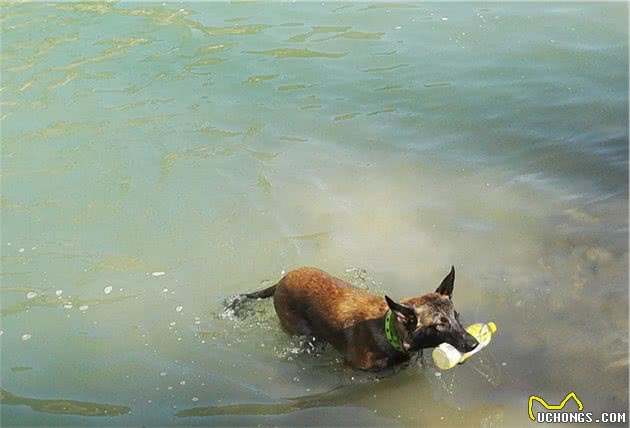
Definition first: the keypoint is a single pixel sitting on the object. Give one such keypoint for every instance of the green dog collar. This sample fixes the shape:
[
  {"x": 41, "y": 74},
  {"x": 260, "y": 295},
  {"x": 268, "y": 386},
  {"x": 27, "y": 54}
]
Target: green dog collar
[{"x": 390, "y": 331}]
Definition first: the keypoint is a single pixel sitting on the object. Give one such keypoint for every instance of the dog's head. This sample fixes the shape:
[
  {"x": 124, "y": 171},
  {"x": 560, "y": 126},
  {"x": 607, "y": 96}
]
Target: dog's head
[{"x": 428, "y": 321}]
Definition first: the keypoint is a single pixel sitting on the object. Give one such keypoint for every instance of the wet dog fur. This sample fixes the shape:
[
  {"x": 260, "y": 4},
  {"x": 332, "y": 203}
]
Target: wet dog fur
[{"x": 310, "y": 302}]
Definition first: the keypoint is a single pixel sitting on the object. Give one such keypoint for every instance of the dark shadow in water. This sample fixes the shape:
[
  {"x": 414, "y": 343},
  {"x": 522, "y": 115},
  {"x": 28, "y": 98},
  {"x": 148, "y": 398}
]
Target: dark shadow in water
[
  {"x": 359, "y": 394},
  {"x": 63, "y": 407},
  {"x": 323, "y": 399}
]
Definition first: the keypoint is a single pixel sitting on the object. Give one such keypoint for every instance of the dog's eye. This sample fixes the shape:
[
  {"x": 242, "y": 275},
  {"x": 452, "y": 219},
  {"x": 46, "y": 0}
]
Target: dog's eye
[{"x": 444, "y": 321}]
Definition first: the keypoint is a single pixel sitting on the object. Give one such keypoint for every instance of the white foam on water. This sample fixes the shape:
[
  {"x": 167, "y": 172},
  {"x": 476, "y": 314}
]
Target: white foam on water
[
  {"x": 83, "y": 308},
  {"x": 179, "y": 308},
  {"x": 108, "y": 289},
  {"x": 158, "y": 273},
  {"x": 26, "y": 337},
  {"x": 58, "y": 293},
  {"x": 31, "y": 295}
]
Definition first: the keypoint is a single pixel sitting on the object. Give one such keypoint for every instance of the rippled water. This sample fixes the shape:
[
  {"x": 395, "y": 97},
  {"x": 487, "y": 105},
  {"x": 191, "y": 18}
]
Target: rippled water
[{"x": 158, "y": 158}]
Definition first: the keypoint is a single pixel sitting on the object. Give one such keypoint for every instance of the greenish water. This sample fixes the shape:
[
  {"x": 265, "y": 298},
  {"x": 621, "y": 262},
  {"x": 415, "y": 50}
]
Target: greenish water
[{"x": 222, "y": 143}]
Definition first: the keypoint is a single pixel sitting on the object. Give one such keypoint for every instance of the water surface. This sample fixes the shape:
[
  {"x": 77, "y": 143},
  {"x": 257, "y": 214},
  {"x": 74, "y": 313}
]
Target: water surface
[{"x": 158, "y": 158}]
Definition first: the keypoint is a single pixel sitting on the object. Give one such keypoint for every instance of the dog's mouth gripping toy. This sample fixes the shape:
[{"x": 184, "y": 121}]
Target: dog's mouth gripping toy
[{"x": 446, "y": 356}]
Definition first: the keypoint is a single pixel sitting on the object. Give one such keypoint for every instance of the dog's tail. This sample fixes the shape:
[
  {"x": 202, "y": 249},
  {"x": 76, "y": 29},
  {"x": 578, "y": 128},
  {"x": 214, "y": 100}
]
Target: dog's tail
[
  {"x": 261, "y": 294},
  {"x": 236, "y": 306}
]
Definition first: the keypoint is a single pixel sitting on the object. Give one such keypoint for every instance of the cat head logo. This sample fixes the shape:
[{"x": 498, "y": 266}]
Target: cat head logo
[{"x": 548, "y": 406}]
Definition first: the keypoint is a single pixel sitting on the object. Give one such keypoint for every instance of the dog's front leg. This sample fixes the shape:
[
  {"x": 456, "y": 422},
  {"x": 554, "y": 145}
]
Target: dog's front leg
[{"x": 367, "y": 361}]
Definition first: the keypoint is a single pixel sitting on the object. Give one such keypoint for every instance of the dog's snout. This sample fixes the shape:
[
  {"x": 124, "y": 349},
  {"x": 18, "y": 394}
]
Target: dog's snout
[{"x": 470, "y": 342}]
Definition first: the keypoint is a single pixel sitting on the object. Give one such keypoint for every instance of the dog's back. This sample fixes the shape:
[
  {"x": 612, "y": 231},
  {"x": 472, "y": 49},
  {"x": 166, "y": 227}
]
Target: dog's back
[{"x": 311, "y": 302}]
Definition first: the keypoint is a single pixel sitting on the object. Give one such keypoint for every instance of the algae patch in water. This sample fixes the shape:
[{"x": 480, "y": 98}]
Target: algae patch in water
[
  {"x": 345, "y": 116},
  {"x": 96, "y": 8},
  {"x": 202, "y": 152},
  {"x": 213, "y": 131},
  {"x": 148, "y": 120},
  {"x": 64, "y": 407},
  {"x": 138, "y": 104},
  {"x": 359, "y": 35},
  {"x": 238, "y": 30},
  {"x": 207, "y": 61},
  {"x": 264, "y": 184},
  {"x": 391, "y": 6},
  {"x": 317, "y": 30},
  {"x": 69, "y": 77},
  {"x": 7, "y": 204},
  {"x": 378, "y": 69},
  {"x": 291, "y": 24},
  {"x": 214, "y": 48},
  {"x": 262, "y": 156},
  {"x": 300, "y": 37},
  {"x": 311, "y": 236},
  {"x": 104, "y": 56},
  {"x": 237, "y": 19},
  {"x": 260, "y": 78},
  {"x": 437, "y": 85},
  {"x": 329, "y": 29},
  {"x": 387, "y": 110},
  {"x": 289, "y": 139},
  {"x": 121, "y": 264},
  {"x": 387, "y": 87},
  {"x": 297, "y": 53},
  {"x": 293, "y": 87},
  {"x": 347, "y": 6},
  {"x": 57, "y": 130},
  {"x": 385, "y": 53}
]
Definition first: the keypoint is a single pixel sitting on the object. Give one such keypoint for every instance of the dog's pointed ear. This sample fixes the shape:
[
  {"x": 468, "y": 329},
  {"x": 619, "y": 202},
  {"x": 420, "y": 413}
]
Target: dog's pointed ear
[
  {"x": 446, "y": 287},
  {"x": 403, "y": 313}
]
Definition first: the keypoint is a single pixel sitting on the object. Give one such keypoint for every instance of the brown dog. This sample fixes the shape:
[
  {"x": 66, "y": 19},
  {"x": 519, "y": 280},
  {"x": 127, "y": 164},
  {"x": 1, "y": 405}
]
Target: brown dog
[{"x": 371, "y": 332}]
